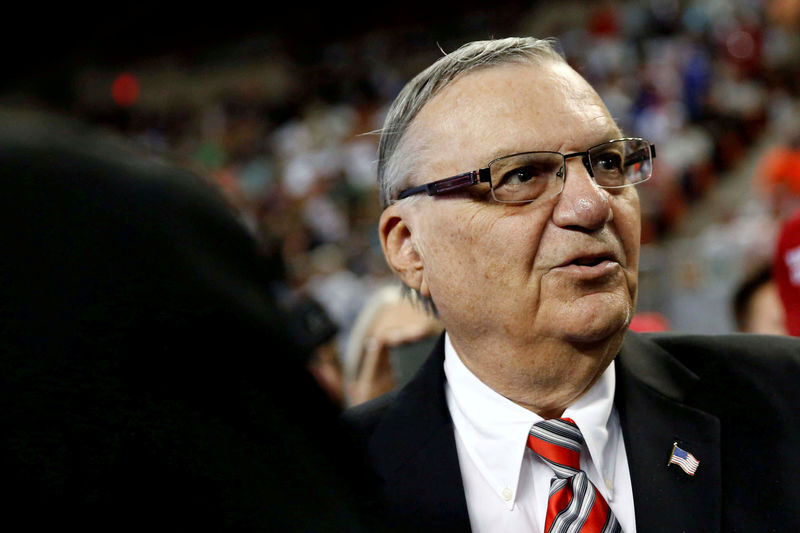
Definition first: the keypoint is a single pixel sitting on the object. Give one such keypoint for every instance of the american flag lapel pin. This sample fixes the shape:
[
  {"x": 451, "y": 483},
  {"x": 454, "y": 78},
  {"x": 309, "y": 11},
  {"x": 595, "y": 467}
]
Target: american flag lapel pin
[{"x": 683, "y": 459}]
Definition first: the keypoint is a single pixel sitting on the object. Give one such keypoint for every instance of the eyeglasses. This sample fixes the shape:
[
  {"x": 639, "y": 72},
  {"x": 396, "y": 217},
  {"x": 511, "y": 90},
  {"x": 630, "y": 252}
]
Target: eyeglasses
[{"x": 528, "y": 176}]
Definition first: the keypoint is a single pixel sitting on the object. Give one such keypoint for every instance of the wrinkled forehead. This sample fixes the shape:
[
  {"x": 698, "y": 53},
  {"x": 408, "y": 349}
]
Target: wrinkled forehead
[{"x": 506, "y": 109}]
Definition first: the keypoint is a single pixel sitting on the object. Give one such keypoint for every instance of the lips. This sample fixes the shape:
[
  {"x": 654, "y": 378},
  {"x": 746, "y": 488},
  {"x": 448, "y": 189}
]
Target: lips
[
  {"x": 590, "y": 259},
  {"x": 590, "y": 264}
]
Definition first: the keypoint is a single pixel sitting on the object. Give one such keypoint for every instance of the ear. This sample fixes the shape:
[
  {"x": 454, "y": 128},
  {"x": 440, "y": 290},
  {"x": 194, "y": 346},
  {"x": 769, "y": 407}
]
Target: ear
[{"x": 398, "y": 247}]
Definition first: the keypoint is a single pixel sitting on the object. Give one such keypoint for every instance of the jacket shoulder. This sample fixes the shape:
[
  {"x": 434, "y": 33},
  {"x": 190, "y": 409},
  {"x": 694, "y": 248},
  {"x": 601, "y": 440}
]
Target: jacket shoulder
[
  {"x": 363, "y": 418},
  {"x": 763, "y": 369},
  {"x": 708, "y": 353}
]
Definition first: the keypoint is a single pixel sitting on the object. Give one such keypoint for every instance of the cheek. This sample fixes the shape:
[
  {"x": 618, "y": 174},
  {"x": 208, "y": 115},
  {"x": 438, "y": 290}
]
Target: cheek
[
  {"x": 486, "y": 253},
  {"x": 628, "y": 222},
  {"x": 627, "y": 219},
  {"x": 509, "y": 246}
]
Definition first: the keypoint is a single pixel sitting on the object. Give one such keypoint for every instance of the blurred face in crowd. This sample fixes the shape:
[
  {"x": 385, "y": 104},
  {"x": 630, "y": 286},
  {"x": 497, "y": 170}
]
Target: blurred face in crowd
[
  {"x": 764, "y": 312},
  {"x": 561, "y": 269}
]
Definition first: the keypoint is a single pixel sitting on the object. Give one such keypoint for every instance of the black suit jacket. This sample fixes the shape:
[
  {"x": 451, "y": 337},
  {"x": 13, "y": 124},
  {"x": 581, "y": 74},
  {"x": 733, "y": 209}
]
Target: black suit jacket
[{"x": 732, "y": 401}]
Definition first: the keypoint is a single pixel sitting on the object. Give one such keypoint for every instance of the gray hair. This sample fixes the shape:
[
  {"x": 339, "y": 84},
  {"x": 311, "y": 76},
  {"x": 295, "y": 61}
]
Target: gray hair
[{"x": 397, "y": 154}]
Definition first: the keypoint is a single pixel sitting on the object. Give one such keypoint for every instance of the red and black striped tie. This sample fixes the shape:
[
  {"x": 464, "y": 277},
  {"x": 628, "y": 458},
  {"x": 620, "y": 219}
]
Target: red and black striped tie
[{"x": 574, "y": 503}]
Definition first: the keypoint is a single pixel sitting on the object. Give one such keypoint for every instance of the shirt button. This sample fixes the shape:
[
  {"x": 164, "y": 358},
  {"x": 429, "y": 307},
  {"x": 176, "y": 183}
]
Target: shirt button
[
  {"x": 609, "y": 484},
  {"x": 507, "y": 494}
]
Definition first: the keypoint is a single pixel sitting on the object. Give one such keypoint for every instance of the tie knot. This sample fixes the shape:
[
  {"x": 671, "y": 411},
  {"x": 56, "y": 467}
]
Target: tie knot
[{"x": 559, "y": 443}]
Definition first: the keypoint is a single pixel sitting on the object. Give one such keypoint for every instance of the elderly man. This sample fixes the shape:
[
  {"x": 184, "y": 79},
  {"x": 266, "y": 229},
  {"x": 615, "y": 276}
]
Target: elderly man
[{"x": 511, "y": 207}]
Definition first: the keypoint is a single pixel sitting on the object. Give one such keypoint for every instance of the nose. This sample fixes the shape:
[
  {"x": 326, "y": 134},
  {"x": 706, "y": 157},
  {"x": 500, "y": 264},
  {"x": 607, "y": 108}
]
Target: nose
[{"x": 582, "y": 204}]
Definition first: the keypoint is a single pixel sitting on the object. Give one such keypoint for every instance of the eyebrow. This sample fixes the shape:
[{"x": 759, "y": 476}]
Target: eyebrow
[{"x": 600, "y": 139}]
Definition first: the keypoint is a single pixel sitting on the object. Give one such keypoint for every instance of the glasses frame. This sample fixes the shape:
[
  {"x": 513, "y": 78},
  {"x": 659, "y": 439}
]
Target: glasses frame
[{"x": 483, "y": 175}]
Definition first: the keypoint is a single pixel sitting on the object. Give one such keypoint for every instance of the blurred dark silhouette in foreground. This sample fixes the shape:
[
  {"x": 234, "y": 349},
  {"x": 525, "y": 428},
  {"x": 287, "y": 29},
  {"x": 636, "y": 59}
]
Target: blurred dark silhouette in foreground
[{"x": 148, "y": 379}]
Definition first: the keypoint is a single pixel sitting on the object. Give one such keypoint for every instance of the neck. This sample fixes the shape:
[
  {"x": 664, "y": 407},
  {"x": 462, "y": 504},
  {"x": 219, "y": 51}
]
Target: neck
[{"x": 544, "y": 377}]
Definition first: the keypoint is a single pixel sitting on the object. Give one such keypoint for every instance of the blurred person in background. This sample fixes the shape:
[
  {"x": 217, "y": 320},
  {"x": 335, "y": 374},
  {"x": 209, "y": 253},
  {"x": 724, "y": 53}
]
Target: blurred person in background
[
  {"x": 315, "y": 332},
  {"x": 787, "y": 271},
  {"x": 390, "y": 338},
  {"x": 780, "y": 176},
  {"x": 510, "y": 206},
  {"x": 149, "y": 377},
  {"x": 757, "y": 307}
]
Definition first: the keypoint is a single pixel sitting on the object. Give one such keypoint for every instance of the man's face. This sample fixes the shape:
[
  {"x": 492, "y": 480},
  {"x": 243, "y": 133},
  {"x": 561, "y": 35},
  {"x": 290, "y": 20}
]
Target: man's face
[{"x": 563, "y": 268}]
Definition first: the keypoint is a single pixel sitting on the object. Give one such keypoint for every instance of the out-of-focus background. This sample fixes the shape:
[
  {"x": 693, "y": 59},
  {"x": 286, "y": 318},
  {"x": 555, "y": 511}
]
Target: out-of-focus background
[{"x": 279, "y": 108}]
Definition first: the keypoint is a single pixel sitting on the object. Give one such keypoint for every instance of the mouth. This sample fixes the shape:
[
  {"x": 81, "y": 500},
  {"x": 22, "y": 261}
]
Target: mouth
[
  {"x": 590, "y": 265},
  {"x": 591, "y": 261}
]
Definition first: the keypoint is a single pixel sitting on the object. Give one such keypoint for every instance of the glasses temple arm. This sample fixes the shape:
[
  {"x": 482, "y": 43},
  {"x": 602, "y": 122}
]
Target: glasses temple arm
[
  {"x": 412, "y": 191},
  {"x": 449, "y": 184}
]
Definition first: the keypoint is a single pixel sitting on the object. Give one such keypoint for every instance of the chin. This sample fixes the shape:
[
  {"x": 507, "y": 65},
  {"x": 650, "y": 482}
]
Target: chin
[
  {"x": 611, "y": 333},
  {"x": 597, "y": 324}
]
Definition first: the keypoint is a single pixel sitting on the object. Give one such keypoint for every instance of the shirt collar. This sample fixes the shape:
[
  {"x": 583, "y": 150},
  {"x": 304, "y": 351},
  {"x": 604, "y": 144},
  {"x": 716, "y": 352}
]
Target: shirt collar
[{"x": 494, "y": 429}]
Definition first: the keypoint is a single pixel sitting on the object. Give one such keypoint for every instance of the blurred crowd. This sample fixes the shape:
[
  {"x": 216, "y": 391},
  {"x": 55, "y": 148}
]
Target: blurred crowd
[{"x": 705, "y": 80}]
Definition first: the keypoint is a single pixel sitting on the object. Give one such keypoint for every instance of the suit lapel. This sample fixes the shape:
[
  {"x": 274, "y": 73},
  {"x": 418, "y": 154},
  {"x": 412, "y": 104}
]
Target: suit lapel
[
  {"x": 651, "y": 390},
  {"x": 422, "y": 478}
]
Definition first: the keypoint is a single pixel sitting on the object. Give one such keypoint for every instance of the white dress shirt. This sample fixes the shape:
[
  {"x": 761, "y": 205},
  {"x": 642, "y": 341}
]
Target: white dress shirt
[{"x": 505, "y": 483}]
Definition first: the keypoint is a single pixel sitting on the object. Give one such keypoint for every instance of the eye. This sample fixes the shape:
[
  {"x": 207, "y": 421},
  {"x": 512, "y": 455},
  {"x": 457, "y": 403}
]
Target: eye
[
  {"x": 526, "y": 176},
  {"x": 529, "y": 172},
  {"x": 520, "y": 175},
  {"x": 608, "y": 162}
]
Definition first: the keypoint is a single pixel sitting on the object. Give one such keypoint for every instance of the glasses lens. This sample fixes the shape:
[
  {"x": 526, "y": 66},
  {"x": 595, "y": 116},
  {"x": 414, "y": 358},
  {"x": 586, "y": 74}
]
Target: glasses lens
[
  {"x": 526, "y": 177},
  {"x": 621, "y": 163}
]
